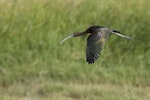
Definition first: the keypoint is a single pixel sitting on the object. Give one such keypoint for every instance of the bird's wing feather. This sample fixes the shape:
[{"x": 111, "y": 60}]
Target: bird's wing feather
[{"x": 95, "y": 43}]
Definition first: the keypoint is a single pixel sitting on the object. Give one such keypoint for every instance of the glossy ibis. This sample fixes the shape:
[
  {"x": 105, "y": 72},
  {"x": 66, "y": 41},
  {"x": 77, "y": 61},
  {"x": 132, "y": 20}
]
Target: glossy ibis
[{"x": 95, "y": 41}]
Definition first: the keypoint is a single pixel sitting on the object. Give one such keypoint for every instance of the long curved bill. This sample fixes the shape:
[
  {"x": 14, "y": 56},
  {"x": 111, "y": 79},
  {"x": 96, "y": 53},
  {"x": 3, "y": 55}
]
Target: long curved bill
[{"x": 68, "y": 37}]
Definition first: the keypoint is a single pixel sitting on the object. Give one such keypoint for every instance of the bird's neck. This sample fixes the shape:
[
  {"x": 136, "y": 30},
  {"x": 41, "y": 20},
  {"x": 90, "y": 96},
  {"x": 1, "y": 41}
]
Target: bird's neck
[{"x": 79, "y": 34}]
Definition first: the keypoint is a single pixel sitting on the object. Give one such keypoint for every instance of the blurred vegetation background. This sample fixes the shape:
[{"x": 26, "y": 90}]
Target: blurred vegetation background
[{"x": 31, "y": 30}]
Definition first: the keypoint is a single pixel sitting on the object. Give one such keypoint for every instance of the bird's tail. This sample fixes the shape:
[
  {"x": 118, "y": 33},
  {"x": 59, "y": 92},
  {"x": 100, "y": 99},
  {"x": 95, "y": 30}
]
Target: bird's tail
[
  {"x": 115, "y": 31},
  {"x": 121, "y": 35}
]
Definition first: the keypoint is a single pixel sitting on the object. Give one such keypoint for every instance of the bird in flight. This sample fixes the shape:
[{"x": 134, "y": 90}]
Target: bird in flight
[{"x": 95, "y": 41}]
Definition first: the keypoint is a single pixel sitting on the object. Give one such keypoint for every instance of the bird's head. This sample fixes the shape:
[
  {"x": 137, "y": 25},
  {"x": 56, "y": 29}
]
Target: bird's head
[{"x": 76, "y": 34}]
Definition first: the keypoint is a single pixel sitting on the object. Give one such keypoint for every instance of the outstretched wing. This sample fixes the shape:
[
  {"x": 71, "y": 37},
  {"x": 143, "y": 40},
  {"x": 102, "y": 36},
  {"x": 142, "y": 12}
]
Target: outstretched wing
[{"x": 95, "y": 43}]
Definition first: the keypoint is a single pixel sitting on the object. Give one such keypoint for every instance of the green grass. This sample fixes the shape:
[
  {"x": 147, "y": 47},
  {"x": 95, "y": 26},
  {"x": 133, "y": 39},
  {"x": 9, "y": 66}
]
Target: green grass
[
  {"x": 30, "y": 33},
  {"x": 37, "y": 90}
]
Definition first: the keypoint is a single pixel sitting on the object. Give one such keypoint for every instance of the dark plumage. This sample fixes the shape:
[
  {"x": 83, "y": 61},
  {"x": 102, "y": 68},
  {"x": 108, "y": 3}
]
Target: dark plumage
[{"x": 96, "y": 40}]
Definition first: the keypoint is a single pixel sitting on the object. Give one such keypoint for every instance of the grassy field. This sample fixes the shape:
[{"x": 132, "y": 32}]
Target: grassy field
[{"x": 34, "y": 66}]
